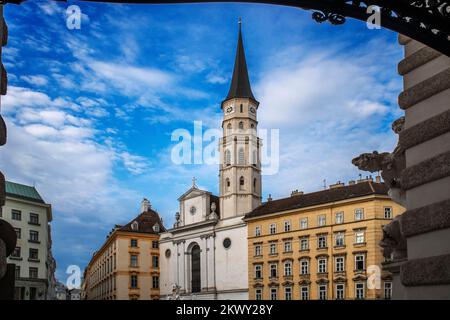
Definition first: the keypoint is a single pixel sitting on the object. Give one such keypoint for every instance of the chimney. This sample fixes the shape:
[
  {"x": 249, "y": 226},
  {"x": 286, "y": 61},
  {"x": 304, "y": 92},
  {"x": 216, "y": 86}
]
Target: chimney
[
  {"x": 367, "y": 178},
  {"x": 296, "y": 193},
  {"x": 351, "y": 182},
  {"x": 378, "y": 179},
  {"x": 269, "y": 198},
  {"x": 337, "y": 185},
  {"x": 145, "y": 205}
]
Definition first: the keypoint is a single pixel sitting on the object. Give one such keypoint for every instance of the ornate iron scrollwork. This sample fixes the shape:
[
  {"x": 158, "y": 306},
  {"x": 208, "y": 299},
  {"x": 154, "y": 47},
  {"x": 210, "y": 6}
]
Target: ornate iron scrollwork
[{"x": 332, "y": 17}]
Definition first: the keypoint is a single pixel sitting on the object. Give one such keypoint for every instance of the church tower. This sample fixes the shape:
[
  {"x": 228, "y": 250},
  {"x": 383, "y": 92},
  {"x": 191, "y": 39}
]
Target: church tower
[{"x": 240, "y": 168}]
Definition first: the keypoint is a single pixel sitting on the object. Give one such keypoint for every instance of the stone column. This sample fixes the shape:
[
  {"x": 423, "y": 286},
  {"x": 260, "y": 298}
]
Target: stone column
[
  {"x": 211, "y": 265},
  {"x": 426, "y": 179},
  {"x": 203, "y": 263}
]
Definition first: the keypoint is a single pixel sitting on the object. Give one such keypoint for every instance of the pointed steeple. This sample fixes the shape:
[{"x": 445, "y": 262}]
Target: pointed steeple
[{"x": 240, "y": 83}]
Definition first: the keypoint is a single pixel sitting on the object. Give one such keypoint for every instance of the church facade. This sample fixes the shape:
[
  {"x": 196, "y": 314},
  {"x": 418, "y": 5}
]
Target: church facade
[{"x": 205, "y": 255}]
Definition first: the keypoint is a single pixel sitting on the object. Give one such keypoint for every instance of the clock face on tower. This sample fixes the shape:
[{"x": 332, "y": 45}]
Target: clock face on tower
[
  {"x": 192, "y": 210},
  {"x": 229, "y": 109},
  {"x": 252, "y": 110}
]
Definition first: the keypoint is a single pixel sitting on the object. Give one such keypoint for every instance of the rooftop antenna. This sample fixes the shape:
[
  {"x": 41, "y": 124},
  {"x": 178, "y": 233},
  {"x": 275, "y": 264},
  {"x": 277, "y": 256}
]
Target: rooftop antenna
[{"x": 324, "y": 184}]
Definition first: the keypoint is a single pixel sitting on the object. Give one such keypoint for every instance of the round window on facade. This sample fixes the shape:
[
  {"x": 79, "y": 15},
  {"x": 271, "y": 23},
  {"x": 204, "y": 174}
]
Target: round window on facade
[
  {"x": 227, "y": 243},
  {"x": 168, "y": 253}
]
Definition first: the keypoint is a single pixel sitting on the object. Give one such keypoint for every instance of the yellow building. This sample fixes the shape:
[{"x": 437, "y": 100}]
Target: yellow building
[
  {"x": 127, "y": 265},
  {"x": 321, "y": 245}
]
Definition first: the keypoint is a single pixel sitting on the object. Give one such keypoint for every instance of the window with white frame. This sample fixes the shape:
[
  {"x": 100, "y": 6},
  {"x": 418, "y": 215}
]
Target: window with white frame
[
  {"x": 288, "y": 293},
  {"x": 258, "y": 250},
  {"x": 257, "y": 231},
  {"x": 388, "y": 212},
  {"x": 322, "y": 265},
  {"x": 360, "y": 290},
  {"x": 359, "y": 214},
  {"x": 322, "y": 241},
  {"x": 340, "y": 291},
  {"x": 359, "y": 236},
  {"x": 304, "y": 223},
  {"x": 388, "y": 290},
  {"x": 288, "y": 246},
  {"x": 321, "y": 220},
  {"x": 273, "y": 228},
  {"x": 272, "y": 248},
  {"x": 258, "y": 294},
  {"x": 360, "y": 262},
  {"x": 273, "y": 270},
  {"x": 258, "y": 271},
  {"x": 304, "y": 243},
  {"x": 304, "y": 292},
  {"x": 339, "y": 239},
  {"x": 288, "y": 268},
  {"x": 339, "y": 217},
  {"x": 339, "y": 263},
  {"x": 304, "y": 266},
  {"x": 322, "y": 292},
  {"x": 273, "y": 294},
  {"x": 287, "y": 226}
]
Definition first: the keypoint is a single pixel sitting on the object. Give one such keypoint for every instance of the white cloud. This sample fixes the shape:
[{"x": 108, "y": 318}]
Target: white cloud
[{"x": 38, "y": 80}]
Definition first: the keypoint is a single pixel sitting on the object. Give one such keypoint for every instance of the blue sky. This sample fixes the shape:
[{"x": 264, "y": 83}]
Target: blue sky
[{"x": 90, "y": 112}]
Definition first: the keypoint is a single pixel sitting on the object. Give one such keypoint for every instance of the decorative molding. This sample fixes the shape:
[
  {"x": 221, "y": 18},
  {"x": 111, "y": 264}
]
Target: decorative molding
[
  {"x": 426, "y": 130},
  {"x": 426, "y": 171},
  {"x": 417, "y": 59},
  {"x": 435, "y": 216},
  {"x": 425, "y": 89},
  {"x": 426, "y": 271}
]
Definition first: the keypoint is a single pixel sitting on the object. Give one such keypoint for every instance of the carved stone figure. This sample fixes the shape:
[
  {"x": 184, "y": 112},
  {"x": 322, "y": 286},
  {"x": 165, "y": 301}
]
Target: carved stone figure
[
  {"x": 213, "y": 214},
  {"x": 175, "y": 292},
  {"x": 393, "y": 242},
  {"x": 177, "y": 220}
]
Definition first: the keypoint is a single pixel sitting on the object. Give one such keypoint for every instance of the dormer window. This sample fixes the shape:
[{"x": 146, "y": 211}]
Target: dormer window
[
  {"x": 156, "y": 228},
  {"x": 134, "y": 226}
]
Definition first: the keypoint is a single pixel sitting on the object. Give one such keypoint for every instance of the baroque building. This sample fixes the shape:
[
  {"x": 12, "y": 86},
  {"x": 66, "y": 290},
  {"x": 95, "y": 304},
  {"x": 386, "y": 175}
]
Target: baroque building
[
  {"x": 321, "y": 245},
  {"x": 206, "y": 247},
  {"x": 30, "y": 216},
  {"x": 126, "y": 267}
]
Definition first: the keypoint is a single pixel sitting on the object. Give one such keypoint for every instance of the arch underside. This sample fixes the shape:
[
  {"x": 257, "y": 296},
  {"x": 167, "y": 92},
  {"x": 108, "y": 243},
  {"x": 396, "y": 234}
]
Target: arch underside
[{"x": 427, "y": 21}]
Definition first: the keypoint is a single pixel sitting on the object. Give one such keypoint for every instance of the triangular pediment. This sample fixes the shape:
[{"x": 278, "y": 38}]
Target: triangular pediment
[{"x": 193, "y": 192}]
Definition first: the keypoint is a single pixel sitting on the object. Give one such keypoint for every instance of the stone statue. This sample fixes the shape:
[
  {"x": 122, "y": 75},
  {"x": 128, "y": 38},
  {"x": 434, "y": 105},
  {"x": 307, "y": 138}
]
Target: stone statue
[
  {"x": 393, "y": 242},
  {"x": 175, "y": 292},
  {"x": 177, "y": 220},
  {"x": 213, "y": 215}
]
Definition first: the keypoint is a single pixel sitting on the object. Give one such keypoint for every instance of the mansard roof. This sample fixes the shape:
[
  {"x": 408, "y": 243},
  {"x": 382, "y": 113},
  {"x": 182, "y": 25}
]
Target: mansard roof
[{"x": 146, "y": 221}]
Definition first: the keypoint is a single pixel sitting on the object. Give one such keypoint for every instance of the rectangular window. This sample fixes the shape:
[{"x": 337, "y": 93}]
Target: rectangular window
[
  {"x": 322, "y": 292},
  {"x": 339, "y": 217},
  {"x": 34, "y": 254},
  {"x": 360, "y": 262},
  {"x": 322, "y": 266},
  {"x": 304, "y": 291},
  {"x": 16, "y": 214},
  {"x": 133, "y": 281},
  {"x": 322, "y": 241},
  {"x": 388, "y": 290},
  {"x": 287, "y": 226},
  {"x": 16, "y": 252},
  {"x": 258, "y": 250},
  {"x": 321, "y": 220},
  {"x": 155, "y": 282},
  {"x": 360, "y": 290},
  {"x": 288, "y": 268},
  {"x": 304, "y": 267},
  {"x": 258, "y": 294},
  {"x": 133, "y": 260},
  {"x": 339, "y": 239},
  {"x": 34, "y": 236},
  {"x": 304, "y": 243},
  {"x": 257, "y": 231},
  {"x": 288, "y": 293},
  {"x": 287, "y": 246},
  {"x": 273, "y": 248},
  {"x": 273, "y": 294},
  {"x": 339, "y": 264},
  {"x": 273, "y": 270},
  {"x": 340, "y": 292},
  {"x": 258, "y": 271},
  {"x": 273, "y": 228},
  {"x": 388, "y": 212},
  {"x": 133, "y": 243},
  {"x": 155, "y": 244},
  {"x": 359, "y": 237},
  {"x": 155, "y": 262},
  {"x": 359, "y": 214},
  {"x": 34, "y": 219},
  {"x": 17, "y": 272},
  {"x": 33, "y": 273},
  {"x": 304, "y": 223},
  {"x": 18, "y": 232}
]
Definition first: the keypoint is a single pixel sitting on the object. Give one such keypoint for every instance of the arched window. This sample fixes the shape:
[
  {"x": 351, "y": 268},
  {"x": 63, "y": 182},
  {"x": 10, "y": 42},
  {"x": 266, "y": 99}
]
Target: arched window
[
  {"x": 229, "y": 126},
  {"x": 254, "y": 184},
  {"x": 242, "y": 108},
  {"x": 252, "y": 126},
  {"x": 255, "y": 158},
  {"x": 241, "y": 156},
  {"x": 241, "y": 183},
  {"x": 195, "y": 269},
  {"x": 227, "y": 157},
  {"x": 227, "y": 184},
  {"x": 241, "y": 125}
]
